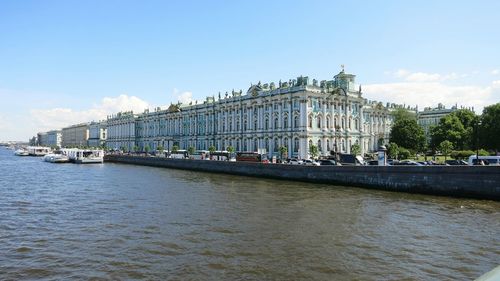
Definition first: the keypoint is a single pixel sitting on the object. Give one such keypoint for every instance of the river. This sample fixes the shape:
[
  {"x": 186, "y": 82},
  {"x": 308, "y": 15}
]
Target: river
[{"x": 122, "y": 222}]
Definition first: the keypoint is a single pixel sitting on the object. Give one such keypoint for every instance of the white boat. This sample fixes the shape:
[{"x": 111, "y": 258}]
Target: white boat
[
  {"x": 85, "y": 156},
  {"x": 38, "y": 150},
  {"x": 56, "y": 158},
  {"x": 21, "y": 152}
]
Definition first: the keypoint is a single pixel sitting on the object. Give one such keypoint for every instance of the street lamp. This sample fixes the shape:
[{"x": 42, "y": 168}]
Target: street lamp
[{"x": 478, "y": 123}]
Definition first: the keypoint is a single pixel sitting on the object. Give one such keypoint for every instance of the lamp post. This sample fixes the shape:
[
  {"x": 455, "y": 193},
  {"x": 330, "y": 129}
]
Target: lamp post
[{"x": 478, "y": 124}]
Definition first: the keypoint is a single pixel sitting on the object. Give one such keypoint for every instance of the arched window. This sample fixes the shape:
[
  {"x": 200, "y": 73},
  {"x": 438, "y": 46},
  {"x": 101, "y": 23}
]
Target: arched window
[
  {"x": 255, "y": 123},
  {"x": 328, "y": 122},
  {"x": 276, "y": 123},
  {"x": 320, "y": 147},
  {"x": 318, "y": 121},
  {"x": 256, "y": 145},
  {"x": 310, "y": 121},
  {"x": 285, "y": 122},
  {"x": 276, "y": 145},
  {"x": 266, "y": 142},
  {"x": 296, "y": 145},
  {"x": 245, "y": 125},
  {"x": 296, "y": 121},
  {"x": 266, "y": 124},
  {"x": 335, "y": 123},
  {"x": 328, "y": 145}
]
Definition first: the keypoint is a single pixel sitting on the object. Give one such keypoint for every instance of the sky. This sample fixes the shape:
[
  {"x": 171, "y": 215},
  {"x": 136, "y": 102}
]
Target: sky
[{"x": 65, "y": 62}]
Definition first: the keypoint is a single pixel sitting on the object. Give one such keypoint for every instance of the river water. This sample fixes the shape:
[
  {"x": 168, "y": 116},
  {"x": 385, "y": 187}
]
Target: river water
[{"x": 123, "y": 222}]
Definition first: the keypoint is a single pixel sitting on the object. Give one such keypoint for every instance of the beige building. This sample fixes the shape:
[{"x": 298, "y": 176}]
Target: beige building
[{"x": 75, "y": 135}]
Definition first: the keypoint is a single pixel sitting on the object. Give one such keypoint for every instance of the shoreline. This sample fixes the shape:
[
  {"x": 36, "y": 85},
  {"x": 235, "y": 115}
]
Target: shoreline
[{"x": 478, "y": 182}]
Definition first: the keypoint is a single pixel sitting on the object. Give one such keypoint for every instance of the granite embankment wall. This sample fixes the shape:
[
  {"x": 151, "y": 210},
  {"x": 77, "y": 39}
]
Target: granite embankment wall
[{"x": 459, "y": 181}]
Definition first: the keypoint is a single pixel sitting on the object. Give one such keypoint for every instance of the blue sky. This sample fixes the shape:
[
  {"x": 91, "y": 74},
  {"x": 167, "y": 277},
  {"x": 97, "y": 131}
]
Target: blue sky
[{"x": 68, "y": 61}]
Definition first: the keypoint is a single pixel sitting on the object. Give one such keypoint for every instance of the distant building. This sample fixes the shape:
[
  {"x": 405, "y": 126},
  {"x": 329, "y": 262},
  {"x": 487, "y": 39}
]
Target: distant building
[
  {"x": 97, "y": 134},
  {"x": 297, "y": 114},
  {"x": 54, "y": 138},
  {"x": 42, "y": 139},
  {"x": 430, "y": 117},
  {"x": 75, "y": 135}
]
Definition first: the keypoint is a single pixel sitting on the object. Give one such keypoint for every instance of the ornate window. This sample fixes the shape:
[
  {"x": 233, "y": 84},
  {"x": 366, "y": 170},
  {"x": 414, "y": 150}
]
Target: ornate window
[
  {"x": 296, "y": 121},
  {"x": 285, "y": 122},
  {"x": 296, "y": 145}
]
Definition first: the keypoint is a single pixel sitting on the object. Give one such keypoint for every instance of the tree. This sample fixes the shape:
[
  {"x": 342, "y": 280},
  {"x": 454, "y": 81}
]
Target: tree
[
  {"x": 123, "y": 148},
  {"x": 175, "y": 148},
  {"x": 283, "y": 151},
  {"x": 136, "y": 148},
  {"x": 445, "y": 147},
  {"x": 408, "y": 134},
  {"x": 147, "y": 148},
  {"x": 160, "y": 149},
  {"x": 191, "y": 150},
  {"x": 231, "y": 151},
  {"x": 211, "y": 149},
  {"x": 393, "y": 150},
  {"x": 403, "y": 114},
  {"x": 489, "y": 130},
  {"x": 313, "y": 150},
  {"x": 403, "y": 153},
  {"x": 449, "y": 128},
  {"x": 355, "y": 149}
]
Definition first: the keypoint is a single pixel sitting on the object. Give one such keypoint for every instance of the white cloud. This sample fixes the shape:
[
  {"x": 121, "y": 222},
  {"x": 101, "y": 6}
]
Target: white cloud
[
  {"x": 425, "y": 77},
  {"x": 495, "y": 72},
  {"x": 184, "y": 97},
  {"x": 56, "y": 118},
  {"x": 426, "y": 94}
]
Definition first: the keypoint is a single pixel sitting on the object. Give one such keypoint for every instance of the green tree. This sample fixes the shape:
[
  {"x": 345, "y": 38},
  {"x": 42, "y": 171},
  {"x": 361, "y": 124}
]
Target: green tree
[
  {"x": 445, "y": 147},
  {"x": 123, "y": 148},
  {"x": 231, "y": 151},
  {"x": 393, "y": 150},
  {"x": 175, "y": 148},
  {"x": 449, "y": 128},
  {"x": 355, "y": 149},
  {"x": 160, "y": 149},
  {"x": 211, "y": 149},
  {"x": 136, "y": 148},
  {"x": 283, "y": 151},
  {"x": 191, "y": 150},
  {"x": 147, "y": 148},
  {"x": 313, "y": 150},
  {"x": 490, "y": 128},
  {"x": 404, "y": 153},
  {"x": 408, "y": 134}
]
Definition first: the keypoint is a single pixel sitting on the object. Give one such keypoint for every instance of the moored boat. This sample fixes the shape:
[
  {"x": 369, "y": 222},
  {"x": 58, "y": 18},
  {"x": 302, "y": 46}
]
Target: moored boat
[
  {"x": 38, "y": 150},
  {"x": 56, "y": 158},
  {"x": 21, "y": 152},
  {"x": 85, "y": 156}
]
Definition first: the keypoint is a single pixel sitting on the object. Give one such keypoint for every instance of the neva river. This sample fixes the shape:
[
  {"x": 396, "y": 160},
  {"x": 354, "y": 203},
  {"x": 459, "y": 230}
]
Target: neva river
[{"x": 121, "y": 222}]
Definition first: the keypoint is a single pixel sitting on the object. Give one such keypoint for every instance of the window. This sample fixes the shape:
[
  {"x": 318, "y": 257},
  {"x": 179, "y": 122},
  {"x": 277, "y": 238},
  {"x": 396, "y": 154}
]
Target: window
[
  {"x": 276, "y": 145},
  {"x": 328, "y": 122},
  {"x": 285, "y": 122},
  {"x": 276, "y": 123},
  {"x": 266, "y": 124},
  {"x": 296, "y": 121},
  {"x": 296, "y": 145},
  {"x": 318, "y": 120},
  {"x": 320, "y": 148},
  {"x": 310, "y": 121},
  {"x": 327, "y": 145}
]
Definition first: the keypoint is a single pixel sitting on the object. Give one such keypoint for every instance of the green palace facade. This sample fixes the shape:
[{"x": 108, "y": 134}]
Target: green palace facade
[{"x": 331, "y": 114}]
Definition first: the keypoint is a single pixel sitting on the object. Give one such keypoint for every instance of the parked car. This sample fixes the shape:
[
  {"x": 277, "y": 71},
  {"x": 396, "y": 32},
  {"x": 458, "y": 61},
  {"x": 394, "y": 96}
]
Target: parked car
[
  {"x": 310, "y": 162},
  {"x": 456, "y": 162},
  {"x": 296, "y": 161},
  {"x": 329, "y": 162},
  {"x": 407, "y": 163},
  {"x": 372, "y": 163}
]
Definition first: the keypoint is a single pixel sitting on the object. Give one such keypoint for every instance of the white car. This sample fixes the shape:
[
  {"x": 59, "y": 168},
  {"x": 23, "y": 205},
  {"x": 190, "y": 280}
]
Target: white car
[
  {"x": 295, "y": 162},
  {"x": 310, "y": 162}
]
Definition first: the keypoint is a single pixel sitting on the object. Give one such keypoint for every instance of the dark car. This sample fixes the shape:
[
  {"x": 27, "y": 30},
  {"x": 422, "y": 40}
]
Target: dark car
[
  {"x": 328, "y": 162},
  {"x": 455, "y": 162},
  {"x": 372, "y": 163}
]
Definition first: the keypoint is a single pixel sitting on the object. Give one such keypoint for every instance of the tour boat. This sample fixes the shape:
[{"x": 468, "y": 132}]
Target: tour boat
[
  {"x": 56, "y": 158},
  {"x": 85, "y": 156},
  {"x": 21, "y": 152},
  {"x": 38, "y": 150}
]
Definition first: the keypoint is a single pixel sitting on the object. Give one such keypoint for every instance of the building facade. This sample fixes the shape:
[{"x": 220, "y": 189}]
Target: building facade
[
  {"x": 430, "y": 117},
  {"x": 75, "y": 135},
  {"x": 97, "y": 134},
  {"x": 297, "y": 114},
  {"x": 42, "y": 139},
  {"x": 54, "y": 138},
  {"x": 121, "y": 131}
]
